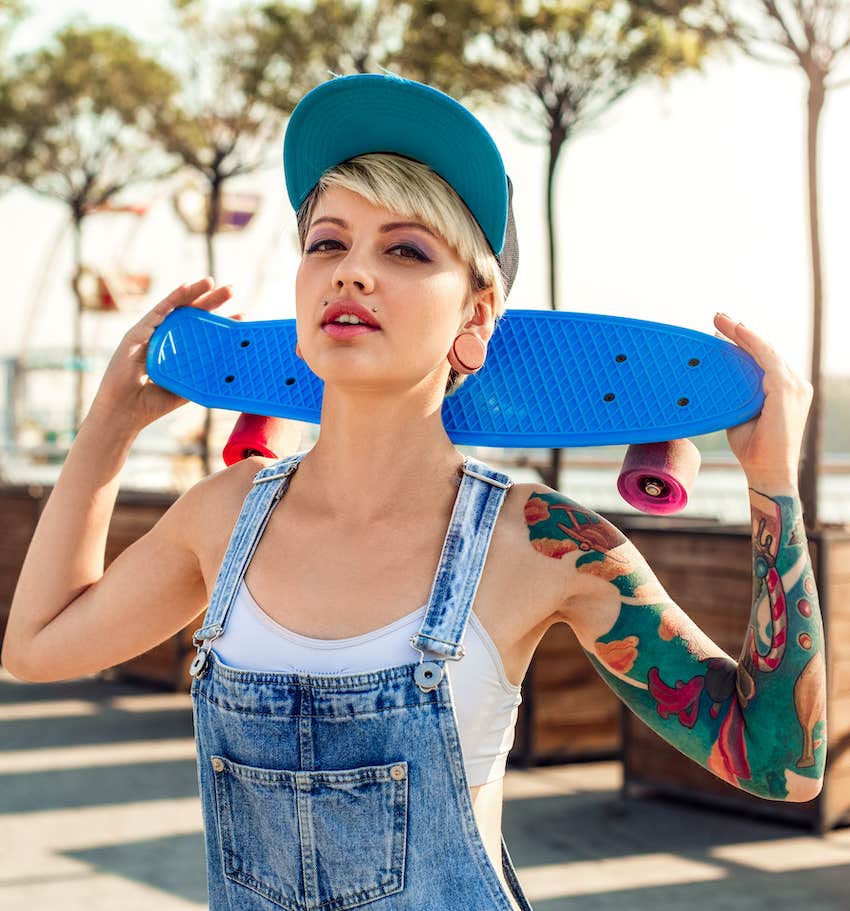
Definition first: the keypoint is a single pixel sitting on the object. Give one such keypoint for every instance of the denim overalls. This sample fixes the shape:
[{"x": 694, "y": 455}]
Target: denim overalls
[{"x": 330, "y": 792}]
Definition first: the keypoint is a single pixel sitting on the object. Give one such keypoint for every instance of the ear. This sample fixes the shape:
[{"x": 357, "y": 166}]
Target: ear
[{"x": 480, "y": 313}]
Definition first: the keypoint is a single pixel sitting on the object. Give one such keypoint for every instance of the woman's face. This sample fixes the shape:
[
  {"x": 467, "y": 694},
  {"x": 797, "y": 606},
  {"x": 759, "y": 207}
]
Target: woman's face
[{"x": 355, "y": 251}]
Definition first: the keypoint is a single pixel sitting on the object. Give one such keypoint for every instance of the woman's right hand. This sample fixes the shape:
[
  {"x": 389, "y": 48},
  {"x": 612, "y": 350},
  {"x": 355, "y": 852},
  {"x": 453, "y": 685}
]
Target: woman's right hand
[{"x": 126, "y": 393}]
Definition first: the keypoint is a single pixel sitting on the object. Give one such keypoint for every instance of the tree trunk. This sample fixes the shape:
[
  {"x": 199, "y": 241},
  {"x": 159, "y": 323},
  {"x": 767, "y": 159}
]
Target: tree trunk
[
  {"x": 552, "y": 475},
  {"x": 77, "y": 328},
  {"x": 813, "y": 441},
  {"x": 212, "y": 224}
]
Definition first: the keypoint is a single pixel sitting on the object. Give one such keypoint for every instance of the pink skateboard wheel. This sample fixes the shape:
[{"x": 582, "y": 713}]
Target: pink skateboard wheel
[
  {"x": 255, "y": 434},
  {"x": 656, "y": 477}
]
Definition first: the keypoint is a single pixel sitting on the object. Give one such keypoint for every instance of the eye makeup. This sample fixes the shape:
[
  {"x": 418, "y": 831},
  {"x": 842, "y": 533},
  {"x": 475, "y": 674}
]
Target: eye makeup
[{"x": 418, "y": 254}]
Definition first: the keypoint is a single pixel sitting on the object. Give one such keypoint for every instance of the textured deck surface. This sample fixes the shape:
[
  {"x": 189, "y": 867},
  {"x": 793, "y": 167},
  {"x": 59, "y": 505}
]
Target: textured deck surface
[{"x": 550, "y": 379}]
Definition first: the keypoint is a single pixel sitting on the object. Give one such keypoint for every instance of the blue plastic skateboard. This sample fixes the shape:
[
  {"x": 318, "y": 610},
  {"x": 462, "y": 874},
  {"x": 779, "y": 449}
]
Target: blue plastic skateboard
[{"x": 551, "y": 378}]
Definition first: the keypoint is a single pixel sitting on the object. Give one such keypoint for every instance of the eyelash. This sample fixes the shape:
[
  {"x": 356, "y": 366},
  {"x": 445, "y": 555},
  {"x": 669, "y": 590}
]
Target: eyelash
[{"x": 417, "y": 255}]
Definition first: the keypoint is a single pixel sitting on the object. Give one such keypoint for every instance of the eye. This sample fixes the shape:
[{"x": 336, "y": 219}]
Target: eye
[
  {"x": 416, "y": 253},
  {"x": 314, "y": 248}
]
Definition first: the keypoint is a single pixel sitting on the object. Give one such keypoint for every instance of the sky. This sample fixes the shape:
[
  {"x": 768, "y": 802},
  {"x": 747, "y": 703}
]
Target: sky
[{"x": 682, "y": 201}]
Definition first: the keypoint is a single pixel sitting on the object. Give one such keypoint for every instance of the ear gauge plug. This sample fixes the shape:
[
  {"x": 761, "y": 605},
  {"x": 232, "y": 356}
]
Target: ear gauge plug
[{"x": 468, "y": 353}]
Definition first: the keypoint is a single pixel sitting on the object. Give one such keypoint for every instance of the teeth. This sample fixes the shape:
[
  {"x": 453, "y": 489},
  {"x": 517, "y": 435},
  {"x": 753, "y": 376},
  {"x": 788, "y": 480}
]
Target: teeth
[{"x": 348, "y": 318}]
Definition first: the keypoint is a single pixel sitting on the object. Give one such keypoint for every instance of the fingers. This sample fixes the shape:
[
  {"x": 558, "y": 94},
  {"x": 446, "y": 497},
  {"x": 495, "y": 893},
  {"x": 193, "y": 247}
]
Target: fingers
[
  {"x": 762, "y": 352},
  {"x": 214, "y": 298},
  {"x": 743, "y": 336},
  {"x": 182, "y": 295},
  {"x": 202, "y": 294}
]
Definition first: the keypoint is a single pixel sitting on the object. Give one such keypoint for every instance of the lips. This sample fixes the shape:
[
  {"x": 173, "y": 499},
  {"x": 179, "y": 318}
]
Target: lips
[{"x": 338, "y": 307}]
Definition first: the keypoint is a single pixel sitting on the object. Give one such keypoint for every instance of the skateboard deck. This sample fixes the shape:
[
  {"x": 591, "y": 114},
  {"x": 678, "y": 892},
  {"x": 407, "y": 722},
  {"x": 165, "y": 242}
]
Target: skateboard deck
[{"x": 551, "y": 378}]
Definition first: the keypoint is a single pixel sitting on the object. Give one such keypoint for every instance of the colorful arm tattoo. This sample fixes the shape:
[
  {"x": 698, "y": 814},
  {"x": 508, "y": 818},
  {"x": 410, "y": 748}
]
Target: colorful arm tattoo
[{"x": 760, "y": 723}]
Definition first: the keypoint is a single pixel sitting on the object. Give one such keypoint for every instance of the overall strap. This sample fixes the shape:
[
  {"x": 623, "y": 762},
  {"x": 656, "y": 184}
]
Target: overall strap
[
  {"x": 482, "y": 492},
  {"x": 268, "y": 486}
]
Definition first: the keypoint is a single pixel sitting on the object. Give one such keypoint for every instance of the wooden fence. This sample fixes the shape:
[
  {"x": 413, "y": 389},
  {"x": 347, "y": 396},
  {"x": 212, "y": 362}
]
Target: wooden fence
[{"x": 568, "y": 713}]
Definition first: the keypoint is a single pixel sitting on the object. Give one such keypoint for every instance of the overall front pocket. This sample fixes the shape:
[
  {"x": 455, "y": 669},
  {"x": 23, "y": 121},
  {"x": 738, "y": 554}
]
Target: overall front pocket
[{"x": 306, "y": 841}]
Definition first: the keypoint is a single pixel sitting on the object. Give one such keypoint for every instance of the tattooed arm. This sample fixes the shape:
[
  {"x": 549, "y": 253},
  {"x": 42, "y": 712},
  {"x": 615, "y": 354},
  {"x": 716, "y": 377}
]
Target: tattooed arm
[{"x": 759, "y": 723}]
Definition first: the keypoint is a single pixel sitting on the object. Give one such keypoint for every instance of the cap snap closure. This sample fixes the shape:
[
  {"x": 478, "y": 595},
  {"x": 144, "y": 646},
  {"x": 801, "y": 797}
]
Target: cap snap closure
[
  {"x": 217, "y": 763},
  {"x": 397, "y": 772}
]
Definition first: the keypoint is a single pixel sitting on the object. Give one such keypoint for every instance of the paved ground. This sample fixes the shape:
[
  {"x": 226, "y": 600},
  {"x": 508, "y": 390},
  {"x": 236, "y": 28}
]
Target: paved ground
[{"x": 99, "y": 810}]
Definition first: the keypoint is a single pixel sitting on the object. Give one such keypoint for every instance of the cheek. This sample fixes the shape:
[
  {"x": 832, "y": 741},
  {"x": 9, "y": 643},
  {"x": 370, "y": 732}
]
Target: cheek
[
  {"x": 450, "y": 285},
  {"x": 308, "y": 286},
  {"x": 444, "y": 296},
  {"x": 302, "y": 275}
]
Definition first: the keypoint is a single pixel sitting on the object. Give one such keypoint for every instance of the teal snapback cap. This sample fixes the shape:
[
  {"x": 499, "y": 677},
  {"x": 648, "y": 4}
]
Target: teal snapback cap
[{"x": 368, "y": 112}]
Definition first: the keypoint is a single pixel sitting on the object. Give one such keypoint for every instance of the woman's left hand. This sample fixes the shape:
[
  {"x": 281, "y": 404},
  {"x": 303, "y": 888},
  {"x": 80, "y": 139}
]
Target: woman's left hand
[{"x": 768, "y": 446}]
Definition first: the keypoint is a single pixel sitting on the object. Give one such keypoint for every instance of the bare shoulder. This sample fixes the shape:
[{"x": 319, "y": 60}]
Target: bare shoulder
[
  {"x": 213, "y": 505},
  {"x": 574, "y": 551},
  {"x": 536, "y": 554}
]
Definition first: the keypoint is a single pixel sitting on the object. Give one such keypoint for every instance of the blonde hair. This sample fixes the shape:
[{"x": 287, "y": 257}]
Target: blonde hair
[{"x": 414, "y": 190}]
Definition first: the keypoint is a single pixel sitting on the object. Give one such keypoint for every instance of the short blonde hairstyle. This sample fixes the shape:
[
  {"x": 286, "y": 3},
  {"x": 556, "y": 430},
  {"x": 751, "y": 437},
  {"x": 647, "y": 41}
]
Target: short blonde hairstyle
[{"x": 414, "y": 190}]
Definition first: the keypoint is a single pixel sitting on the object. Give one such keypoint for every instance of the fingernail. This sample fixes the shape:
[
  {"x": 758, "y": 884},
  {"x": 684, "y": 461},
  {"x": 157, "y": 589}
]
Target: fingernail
[{"x": 724, "y": 315}]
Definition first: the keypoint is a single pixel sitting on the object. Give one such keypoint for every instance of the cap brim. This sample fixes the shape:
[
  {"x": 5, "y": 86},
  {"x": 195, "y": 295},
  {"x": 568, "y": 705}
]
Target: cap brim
[{"x": 353, "y": 115}]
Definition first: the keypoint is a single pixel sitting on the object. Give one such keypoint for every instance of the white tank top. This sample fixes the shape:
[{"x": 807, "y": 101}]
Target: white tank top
[{"x": 485, "y": 702}]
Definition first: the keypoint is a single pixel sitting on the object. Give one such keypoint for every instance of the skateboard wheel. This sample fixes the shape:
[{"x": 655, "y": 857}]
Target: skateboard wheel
[
  {"x": 255, "y": 434},
  {"x": 656, "y": 477}
]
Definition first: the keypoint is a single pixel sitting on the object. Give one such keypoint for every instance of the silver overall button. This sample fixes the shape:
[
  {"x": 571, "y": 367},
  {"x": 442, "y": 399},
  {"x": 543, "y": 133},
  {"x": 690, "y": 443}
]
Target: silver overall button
[
  {"x": 218, "y": 763},
  {"x": 397, "y": 772},
  {"x": 428, "y": 675},
  {"x": 198, "y": 663}
]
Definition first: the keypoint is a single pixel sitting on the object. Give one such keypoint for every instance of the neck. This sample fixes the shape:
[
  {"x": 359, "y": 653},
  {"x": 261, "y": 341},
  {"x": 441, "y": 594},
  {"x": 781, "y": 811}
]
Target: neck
[{"x": 379, "y": 455}]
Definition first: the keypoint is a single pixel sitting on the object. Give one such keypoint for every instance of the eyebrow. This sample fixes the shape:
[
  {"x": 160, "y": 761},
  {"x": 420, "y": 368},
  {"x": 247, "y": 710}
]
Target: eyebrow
[{"x": 390, "y": 226}]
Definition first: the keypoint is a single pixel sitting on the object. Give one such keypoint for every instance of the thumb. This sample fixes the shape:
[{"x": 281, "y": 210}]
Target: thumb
[{"x": 238, "y": 316}]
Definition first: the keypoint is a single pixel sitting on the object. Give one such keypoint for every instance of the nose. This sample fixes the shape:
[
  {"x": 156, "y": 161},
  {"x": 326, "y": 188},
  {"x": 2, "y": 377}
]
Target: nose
[{"x": 352, "y": 269}]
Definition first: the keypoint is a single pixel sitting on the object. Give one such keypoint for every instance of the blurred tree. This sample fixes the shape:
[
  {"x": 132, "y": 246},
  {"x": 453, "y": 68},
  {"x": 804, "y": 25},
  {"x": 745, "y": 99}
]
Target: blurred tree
[
  {"x": 11, "y": 13},
  {"x": 73, "y": 119},
  {"x": 222, "y": 124},
  {"x": 343, "y": 36},
  {"x": 559, "y": 64},
  {"x": 813, "y": 36}
]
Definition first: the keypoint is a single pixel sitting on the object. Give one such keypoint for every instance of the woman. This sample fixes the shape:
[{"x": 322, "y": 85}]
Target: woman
[{"x": 359, "y": 760}]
